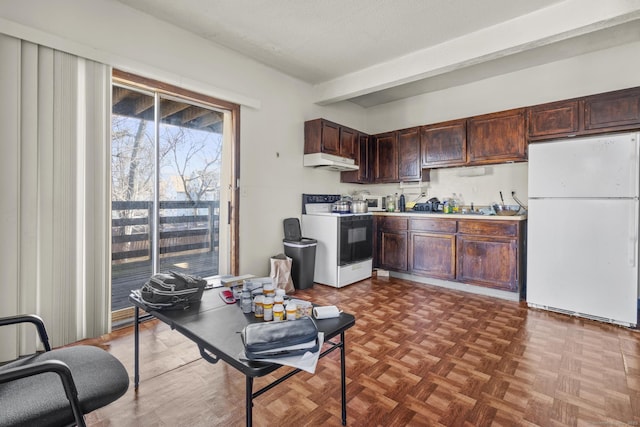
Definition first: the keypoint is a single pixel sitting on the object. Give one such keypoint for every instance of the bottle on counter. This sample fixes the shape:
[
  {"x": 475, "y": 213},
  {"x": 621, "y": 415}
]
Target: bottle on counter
[
  {"x": 391, "y": 203},
  {"x": 397, "y": 200},
  {"x": 402, "y": 203},
  {"x": 453, "y": 204},
  {"x": 461, "y": 206}
]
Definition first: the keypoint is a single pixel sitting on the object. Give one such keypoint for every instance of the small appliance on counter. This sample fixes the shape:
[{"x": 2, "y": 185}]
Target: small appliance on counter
[
  {"x": 431, "y": 205},
  {"x": 375, "y": 203}
]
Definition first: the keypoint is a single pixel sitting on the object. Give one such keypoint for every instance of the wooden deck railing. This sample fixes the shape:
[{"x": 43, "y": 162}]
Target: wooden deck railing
[{"x": 185, "y": 227}]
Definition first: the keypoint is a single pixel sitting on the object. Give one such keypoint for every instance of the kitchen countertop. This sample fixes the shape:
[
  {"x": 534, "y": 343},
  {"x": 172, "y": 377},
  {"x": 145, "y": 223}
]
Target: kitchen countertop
[{"x": 416, "y": 214}]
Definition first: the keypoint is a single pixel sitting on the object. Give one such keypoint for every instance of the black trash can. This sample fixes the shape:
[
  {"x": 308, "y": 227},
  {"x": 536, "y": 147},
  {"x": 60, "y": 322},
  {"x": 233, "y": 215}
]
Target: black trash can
[{"x": 302, "y": 252}]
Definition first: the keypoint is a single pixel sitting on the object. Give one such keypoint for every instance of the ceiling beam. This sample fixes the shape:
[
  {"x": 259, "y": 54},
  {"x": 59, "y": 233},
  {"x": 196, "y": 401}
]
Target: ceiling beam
[{"x": 561, "y": 21}]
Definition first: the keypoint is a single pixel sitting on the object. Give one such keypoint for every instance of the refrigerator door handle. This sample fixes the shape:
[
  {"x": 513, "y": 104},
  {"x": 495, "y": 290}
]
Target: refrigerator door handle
[
  {"x": 633, "y": 168},
  {"x": 633, "y": 236}
]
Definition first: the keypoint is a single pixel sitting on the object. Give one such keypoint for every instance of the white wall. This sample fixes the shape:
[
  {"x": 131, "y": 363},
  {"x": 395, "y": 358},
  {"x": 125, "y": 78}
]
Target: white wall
[
  {"x": 601, "y": 71},
  {"x": 271, "y": 124}
]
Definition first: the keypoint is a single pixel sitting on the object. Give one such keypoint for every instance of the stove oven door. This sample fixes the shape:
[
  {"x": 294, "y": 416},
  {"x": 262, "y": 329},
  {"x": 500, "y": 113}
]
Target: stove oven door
[{"x": 355, "y": 239}]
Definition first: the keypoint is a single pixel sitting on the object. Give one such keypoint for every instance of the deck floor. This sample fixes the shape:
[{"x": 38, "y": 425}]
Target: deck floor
[{"x": 132, "y": 275}]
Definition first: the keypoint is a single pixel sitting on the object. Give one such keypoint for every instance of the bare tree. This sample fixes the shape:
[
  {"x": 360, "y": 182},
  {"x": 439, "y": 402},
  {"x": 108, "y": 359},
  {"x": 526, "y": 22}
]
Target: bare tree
[
  {"x": 132, "y": 159},
  {"x": 195, "y": 156}
]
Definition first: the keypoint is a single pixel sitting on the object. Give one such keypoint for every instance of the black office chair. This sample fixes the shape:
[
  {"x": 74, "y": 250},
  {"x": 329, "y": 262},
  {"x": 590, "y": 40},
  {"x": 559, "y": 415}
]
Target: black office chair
[{"x": 57, "y": 387}]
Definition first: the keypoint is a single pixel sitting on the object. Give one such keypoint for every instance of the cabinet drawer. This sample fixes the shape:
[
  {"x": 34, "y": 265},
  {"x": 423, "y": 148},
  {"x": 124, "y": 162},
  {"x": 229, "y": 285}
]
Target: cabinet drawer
[
  {"x": 392, "y": 223},
  {"x": 433, "y": 224},
  {"x": 488, "y": 228}
]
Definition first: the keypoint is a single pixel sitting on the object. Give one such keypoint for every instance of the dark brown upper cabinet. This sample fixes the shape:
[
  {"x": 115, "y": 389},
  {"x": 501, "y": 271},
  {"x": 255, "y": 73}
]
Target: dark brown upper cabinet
[
  {"x": 554, "y": 119},
  {"x": 613, "y": 110},
  {"x": 363, "y": 158},
  {"x": 595, "y": 114},
  {"x": 323, "y": 136},
  {"x": 444, "y": 144},
  {"x": 409, "y": 164},
  {"x": 348, "y": 143},
  {"x": 497, "y": 137},
  {"x": 385, "y": 162}
]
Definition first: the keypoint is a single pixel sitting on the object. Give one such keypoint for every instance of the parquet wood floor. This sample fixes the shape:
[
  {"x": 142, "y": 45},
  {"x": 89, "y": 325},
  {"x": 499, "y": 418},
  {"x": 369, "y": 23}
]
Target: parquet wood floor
[{"x": 418, "y": 355}]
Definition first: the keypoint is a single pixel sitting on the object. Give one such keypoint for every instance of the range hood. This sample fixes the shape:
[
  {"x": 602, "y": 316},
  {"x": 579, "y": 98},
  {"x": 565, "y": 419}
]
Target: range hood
[{"x": 330, "y": 162}]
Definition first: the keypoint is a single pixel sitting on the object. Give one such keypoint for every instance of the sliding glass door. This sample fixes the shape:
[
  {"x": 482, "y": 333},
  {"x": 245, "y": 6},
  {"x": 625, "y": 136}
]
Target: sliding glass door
[{"x": 168, "y": 186}]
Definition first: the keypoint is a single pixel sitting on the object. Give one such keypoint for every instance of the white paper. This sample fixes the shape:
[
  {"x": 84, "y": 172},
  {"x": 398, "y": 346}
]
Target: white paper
[
  {"x": 306, "y": 362},
  {"x": 327, "y": 312}
]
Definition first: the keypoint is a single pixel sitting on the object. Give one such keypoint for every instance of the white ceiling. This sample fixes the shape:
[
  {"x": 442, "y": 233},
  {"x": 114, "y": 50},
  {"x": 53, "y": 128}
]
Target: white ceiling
[{"x": 376, "y": 51}]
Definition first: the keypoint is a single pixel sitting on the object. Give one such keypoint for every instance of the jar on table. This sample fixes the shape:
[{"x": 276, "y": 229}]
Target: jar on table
[
  {"x": 259, "y": 306},
  {"x": 269, "y": 290},
  {"x": 292, "y": 311},
  {"x": 278, "y": 312},
  {"x": 245, "y": 302},
  {"x": 268, "y": 309},
  {"x": 278, "y": 299}
]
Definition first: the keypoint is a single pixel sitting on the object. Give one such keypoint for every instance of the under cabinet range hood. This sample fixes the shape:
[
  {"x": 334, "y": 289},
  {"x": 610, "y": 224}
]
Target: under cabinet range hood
[{"x": 330, "y": 162}]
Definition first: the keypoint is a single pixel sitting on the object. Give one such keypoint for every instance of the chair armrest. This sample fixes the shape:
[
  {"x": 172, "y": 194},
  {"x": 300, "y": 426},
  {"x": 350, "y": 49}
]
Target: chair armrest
[
  {"x": 29, "y": 318},
  {"x": 56, "y": 366}
]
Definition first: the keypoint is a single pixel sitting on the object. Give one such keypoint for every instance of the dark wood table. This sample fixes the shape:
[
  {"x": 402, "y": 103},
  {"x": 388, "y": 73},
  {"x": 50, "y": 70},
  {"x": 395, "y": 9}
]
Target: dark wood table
[{"x": 215, "y": 328}]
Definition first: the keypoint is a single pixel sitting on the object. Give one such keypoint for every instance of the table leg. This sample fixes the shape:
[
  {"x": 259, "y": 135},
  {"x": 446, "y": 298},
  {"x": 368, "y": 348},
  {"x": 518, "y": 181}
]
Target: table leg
[
  {"x": 249, "y": 400},
  {"x": 343, "y": 379},
  {"x": 136, "y": 346}
]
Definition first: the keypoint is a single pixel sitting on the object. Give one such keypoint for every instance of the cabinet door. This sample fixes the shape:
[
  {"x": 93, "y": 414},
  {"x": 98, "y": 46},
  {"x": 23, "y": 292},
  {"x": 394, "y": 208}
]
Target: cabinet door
[
  {"x": 363, "y": 159},
  {"x": 496, "y": 138},
  {"x": 386, "y": 158},
  {"x": 392, "y": 251},
  {"x": 613, "y": 110},
  {"x": 553, "y": 119},
  {"x": 444, "y": 144},
  {"x": 409, "y": 164},
  {"x": 330, "y": 138},
  {"x": 487, "y": 261},
  {"x": 433, "y": 255},
  {"x": 348, "y": 143}
]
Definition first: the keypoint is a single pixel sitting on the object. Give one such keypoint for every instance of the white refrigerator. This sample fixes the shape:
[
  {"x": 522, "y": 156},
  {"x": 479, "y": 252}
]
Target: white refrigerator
[{"x": 582, "y": 250}]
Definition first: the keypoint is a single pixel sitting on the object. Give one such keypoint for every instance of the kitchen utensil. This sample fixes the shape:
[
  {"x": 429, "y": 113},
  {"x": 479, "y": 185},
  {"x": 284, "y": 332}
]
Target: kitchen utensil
[
  {"x": 342, "y": 206},
  {"x": 513, "y": 195},
  {"x": 506, "y": 210},
  {"x": 502, "y": 198},
  {"x": 359, "y": 206}
]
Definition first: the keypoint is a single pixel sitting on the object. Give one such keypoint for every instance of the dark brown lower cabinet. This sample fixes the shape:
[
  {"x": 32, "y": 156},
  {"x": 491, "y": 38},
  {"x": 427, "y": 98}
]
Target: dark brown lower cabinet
[
  {"x": 433, "y": 255},
  {"x": 392, "y": 244},
  {"x": 488, "y": 261},
  {"x": 393, "y": 250},
  {"x": 487, "y": 253}
]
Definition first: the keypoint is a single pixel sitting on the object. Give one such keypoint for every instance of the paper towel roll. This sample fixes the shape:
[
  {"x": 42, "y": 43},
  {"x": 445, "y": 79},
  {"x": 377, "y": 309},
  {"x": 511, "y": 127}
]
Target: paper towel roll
[{"x": 326, "y": 312}]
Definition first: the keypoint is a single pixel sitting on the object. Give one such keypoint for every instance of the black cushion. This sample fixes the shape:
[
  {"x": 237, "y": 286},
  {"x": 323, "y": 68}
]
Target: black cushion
[{"x": 40, "y": 400}]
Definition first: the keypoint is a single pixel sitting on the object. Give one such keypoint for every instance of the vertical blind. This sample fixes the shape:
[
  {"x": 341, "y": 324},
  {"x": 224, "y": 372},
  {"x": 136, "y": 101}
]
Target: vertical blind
[{"x": 55, "y": 249}]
